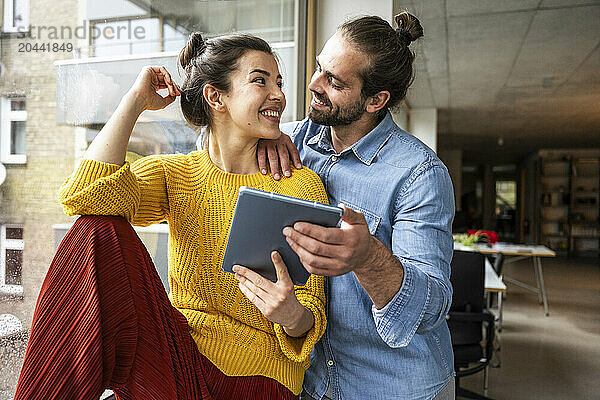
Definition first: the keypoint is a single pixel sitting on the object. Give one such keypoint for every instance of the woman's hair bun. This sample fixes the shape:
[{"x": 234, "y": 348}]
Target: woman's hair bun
[
  {"x": 194, "y": 47},
  {"x": 409, "y": 27}
]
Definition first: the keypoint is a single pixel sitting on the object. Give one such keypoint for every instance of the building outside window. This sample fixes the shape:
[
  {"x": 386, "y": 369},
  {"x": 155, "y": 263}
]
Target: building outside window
[
  {"x": 63, "y": 97},
  {"x": 13, "y": 119}
]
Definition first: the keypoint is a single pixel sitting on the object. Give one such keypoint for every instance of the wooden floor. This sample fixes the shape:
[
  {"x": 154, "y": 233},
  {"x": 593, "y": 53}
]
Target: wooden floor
[{"x": 555, "y": 357}]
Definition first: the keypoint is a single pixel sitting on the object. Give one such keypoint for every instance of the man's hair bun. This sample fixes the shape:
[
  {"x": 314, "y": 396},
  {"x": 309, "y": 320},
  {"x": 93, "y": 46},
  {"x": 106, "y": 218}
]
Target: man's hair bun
[{"x": 409, "y": 27}]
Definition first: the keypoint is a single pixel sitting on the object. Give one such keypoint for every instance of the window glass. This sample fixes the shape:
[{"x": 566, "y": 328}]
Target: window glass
[
  {"x": 14, "y": 261},
  {"x": 506, "y": 209},
  {"x": 133, "y": 36},
  {"x": 17, "y": 104},
  {"x": 17, "y": 143},
  {"x": 13, "y": 120},
  {"x": 17, "y": 17},
  {"x": 91, "y": 90},
  {"x": 55, "y": 100},
  {"x": 174, "y": 37},
  {"x": 506, "y": 195},
  {"x": 14, "y": 233},
  {"x": 115, "y": 9}
]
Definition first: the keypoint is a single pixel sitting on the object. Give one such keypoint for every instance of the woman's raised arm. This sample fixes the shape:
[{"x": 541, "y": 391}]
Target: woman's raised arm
[{"x": 110, "y": 145}]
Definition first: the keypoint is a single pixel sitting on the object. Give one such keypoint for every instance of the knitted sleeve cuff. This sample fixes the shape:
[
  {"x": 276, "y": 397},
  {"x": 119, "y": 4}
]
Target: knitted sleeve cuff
[
  {"x": 298, "y": 349},
  {"x": 101, "y": 189}
]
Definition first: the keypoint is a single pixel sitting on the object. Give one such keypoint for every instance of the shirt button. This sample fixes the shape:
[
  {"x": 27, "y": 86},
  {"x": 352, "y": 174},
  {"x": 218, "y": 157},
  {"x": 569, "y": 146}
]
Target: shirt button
[
  {"x": 330, "y": 363},
  {"x": 334, "y": 158}
]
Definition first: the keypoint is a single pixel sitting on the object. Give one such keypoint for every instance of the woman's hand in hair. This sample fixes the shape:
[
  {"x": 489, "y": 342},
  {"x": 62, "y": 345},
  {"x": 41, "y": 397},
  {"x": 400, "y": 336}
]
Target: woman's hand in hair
[
  {"x": 145, "y": 89},
  {"x": 276, "y": 154},
  {"x": 276, "y": 301},
  {"x": 110, "y": 145}
]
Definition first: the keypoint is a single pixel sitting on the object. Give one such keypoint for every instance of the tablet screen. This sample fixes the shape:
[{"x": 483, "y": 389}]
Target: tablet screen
[{"x": 256, "y": 230}]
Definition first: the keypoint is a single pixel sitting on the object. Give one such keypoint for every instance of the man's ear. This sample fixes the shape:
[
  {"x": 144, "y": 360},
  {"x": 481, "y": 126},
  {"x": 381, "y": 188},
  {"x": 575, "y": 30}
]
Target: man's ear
[
  {"x": 213, "y": 97},
  {"x": 378, "y": 101}
]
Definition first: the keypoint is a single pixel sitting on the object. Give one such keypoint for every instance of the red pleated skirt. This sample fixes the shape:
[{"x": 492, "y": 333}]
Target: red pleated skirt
[{"x": 103, "y": 321}]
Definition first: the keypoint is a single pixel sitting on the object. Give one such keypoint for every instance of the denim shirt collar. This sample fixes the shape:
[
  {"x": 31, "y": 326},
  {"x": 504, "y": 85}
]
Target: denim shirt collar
[{"x": 366, "y": 148}]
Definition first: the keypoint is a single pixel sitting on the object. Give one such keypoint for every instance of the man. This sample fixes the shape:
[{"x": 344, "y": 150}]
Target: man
[{"x": 388, "y": 287}]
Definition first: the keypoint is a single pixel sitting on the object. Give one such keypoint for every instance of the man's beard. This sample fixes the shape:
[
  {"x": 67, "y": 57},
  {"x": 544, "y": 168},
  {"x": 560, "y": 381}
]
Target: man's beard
[{"x": 337, "y": 116}]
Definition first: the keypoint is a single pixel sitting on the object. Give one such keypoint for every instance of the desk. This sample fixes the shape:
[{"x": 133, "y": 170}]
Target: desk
[{"x": 516, "y": 252}]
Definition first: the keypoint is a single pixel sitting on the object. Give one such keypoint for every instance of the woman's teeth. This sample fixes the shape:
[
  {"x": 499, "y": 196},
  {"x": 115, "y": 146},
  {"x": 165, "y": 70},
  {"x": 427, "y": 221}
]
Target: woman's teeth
[{"x": 270, "y": 113}]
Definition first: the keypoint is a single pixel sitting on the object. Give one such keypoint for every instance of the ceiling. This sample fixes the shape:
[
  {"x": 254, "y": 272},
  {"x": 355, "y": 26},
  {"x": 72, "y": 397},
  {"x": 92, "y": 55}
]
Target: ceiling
[{"x": 524, "y": 73}]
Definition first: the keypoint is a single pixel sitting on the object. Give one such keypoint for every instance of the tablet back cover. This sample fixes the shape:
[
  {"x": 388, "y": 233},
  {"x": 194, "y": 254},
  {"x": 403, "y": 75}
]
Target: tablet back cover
[{"x": 256, "y": 230}]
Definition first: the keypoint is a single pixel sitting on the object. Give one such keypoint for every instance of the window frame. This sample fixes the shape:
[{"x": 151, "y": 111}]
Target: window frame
[
  {"x": 9, "y": 244},
  {"x": 9, "y": 15},
  {"x": 6, "y": 117}
]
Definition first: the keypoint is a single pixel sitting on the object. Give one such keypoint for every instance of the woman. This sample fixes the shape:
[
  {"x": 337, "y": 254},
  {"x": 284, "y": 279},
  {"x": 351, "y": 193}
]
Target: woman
[{"x": 251, "y": 337}]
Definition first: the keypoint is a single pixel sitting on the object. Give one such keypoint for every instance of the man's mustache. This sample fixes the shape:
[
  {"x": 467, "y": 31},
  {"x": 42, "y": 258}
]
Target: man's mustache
[{"x": 322, "y": 99}]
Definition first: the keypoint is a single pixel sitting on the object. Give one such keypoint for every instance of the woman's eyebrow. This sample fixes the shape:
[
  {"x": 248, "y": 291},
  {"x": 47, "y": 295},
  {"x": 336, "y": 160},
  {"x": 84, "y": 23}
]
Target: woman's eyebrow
[
  {"x": 267, "y": 73},
  {"x": 261, "y": 71}
]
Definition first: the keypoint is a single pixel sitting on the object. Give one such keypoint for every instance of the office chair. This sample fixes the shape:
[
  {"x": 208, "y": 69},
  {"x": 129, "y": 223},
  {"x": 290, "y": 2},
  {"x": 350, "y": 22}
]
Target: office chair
[{"x": 468, "y": 318}]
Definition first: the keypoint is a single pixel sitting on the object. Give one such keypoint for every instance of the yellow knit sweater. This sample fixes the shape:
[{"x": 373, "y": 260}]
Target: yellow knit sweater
[{"x": 197, "y": 199}]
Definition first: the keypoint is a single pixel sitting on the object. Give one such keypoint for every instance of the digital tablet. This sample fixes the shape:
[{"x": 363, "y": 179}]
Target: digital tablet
[{"x": 256, "y": 230}]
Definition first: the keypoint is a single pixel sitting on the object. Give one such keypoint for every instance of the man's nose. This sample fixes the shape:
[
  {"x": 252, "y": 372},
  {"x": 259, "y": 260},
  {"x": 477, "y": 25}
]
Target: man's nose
[{"x": 315, "y": 84}]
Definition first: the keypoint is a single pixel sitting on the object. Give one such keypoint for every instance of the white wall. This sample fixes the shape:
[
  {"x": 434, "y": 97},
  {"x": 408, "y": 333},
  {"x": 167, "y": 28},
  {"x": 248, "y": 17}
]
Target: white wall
[
  {"x": 331, "y": 13},
  {"x": 400, "y": 117},
  {"x": 422, "y": 123}
]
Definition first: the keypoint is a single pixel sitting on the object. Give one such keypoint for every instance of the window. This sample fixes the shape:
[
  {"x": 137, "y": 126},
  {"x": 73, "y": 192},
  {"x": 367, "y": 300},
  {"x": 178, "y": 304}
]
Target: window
[
  {"x": 126, "y": 39},
  {"x": 12, "y": 130},
  {"x": 11, "y": 258},
  {"x": 506, "y": 209},
  {"x": 135, "y": 35},
  {"x": 50, "y": 112},
  {"x": 16, "y": 16}
]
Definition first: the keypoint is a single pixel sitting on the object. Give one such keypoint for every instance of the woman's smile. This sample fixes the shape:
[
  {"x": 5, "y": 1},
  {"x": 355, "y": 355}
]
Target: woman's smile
[{"x": 272, "y": 114}]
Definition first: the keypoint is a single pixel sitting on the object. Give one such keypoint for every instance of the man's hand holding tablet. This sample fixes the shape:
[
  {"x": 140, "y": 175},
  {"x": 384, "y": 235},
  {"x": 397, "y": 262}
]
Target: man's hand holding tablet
[{"x": 256, "y": 231}]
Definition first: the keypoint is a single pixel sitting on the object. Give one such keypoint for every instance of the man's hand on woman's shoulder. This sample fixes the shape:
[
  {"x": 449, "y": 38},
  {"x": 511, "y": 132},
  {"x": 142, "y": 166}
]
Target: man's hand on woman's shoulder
[{"x": 275, "y": 154}]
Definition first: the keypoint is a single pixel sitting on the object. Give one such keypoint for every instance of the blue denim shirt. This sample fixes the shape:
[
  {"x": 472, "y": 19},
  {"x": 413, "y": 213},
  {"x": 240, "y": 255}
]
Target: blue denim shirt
[{"x": 402, "y": 351}]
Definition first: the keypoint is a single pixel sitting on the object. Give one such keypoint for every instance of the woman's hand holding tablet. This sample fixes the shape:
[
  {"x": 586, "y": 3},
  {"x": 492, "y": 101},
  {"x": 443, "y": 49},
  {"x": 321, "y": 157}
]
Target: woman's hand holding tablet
[{"x": 257, "y": 226}]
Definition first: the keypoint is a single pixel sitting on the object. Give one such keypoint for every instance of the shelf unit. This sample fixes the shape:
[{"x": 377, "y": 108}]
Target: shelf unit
[
  {"x": 584, "y": 216},
  {"x": 569, "y": 201}
]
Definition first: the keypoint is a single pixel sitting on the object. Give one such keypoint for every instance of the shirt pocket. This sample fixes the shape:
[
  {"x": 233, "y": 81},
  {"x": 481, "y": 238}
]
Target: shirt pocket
[{"x": 373, "y": 219}]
